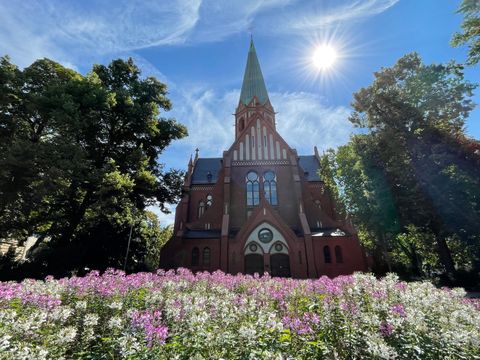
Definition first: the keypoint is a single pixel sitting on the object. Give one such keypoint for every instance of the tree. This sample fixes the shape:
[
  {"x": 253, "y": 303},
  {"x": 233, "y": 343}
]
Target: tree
[
  {"x": 471, "y": 30},
  {"x": 365, "y": 194},
  {"x": 417, "y": 150},
  {"x": 79, "y": 159}
]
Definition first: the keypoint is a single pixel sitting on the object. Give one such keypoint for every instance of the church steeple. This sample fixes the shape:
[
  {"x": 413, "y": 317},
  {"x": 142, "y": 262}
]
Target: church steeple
[{"x": 253, "y": 83}]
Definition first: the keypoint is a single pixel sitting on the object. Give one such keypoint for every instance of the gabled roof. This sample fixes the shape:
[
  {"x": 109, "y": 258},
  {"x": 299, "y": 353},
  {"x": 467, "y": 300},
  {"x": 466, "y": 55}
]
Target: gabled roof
[
  {"x": 253, "y": 83},
  {"x": 204, "y": 167},
  {"x": 310, "y": 165}
]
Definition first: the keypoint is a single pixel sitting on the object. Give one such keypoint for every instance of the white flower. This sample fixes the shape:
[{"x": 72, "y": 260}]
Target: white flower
[
  {"x": 90, "y": 320},
  {"x": 247, "y": 332},
  {"x": 116, "y": 305},
  {"x": 81, "y": 305},
  {"x": 66, "y": 335},
  {"x": 115, "y": 322},
  {"x": 5, "y": 342},
  {"x": 61, "y": 314}
]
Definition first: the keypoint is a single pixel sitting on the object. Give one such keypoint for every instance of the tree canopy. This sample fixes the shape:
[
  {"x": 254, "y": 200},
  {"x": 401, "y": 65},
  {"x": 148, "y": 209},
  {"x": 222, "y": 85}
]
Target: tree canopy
[
  {"x": 414, "y": 171},
  {"x": 470, "y": 34},
  {"x": 79, "y": 158}
]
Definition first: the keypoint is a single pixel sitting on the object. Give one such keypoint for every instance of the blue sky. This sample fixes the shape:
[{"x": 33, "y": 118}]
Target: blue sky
[{"x": 199, "y": 48}]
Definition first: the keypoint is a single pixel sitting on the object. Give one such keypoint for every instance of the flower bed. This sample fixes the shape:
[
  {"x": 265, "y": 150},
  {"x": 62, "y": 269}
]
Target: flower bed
[{"x": 211, "y": 316}]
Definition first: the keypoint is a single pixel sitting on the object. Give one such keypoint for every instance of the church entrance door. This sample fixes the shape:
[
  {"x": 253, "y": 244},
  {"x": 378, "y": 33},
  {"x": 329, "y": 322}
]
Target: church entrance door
[
  {"x": 280, "y": 265},
  {"x": 254, "y": 264}
]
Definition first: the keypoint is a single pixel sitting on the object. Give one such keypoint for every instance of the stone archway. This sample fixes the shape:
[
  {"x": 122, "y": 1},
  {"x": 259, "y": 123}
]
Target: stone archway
[{"x": 266, "y": 250}]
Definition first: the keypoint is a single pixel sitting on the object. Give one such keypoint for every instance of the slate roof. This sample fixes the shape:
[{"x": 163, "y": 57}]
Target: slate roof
[
  {"x": 253, "y": 83},
  {"x": 309, "y": 163},
  {"x": 205, "y": 166},
  {"x": 201, "y": 234}
]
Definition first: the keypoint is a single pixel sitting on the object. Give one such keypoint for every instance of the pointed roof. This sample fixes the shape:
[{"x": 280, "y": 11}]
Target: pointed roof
[{"x": 253, "y": 83}]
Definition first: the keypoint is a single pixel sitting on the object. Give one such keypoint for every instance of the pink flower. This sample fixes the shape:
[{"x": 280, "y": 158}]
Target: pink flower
[
  {"x": 150, "y": 322},
  {"x": 386, "y": 329},
  {"x": 399, "y": 309}
]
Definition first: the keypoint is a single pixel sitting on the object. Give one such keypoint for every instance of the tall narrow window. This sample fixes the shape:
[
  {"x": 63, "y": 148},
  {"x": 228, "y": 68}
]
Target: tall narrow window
[
  {"x": 206, "y": 256},
  {"x": 195, "y": 256},
  {"x": 338, "y": 254},
  {"x": 270, "y": 187},
  {"x": 201, "y": 209},
  {"x": 326, "y": 255},
  {"x": 253, "y": 189}
]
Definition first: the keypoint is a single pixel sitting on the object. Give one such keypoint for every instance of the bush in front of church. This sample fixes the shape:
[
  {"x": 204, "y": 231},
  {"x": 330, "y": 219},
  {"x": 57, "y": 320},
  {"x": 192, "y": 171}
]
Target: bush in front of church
[{"x": 180, "y": 315}]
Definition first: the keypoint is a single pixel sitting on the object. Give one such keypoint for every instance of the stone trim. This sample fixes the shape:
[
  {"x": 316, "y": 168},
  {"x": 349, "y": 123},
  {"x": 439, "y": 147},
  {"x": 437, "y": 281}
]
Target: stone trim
[
  {"x": 206, "y": 187},
  {"x": 260, "y": 163}
]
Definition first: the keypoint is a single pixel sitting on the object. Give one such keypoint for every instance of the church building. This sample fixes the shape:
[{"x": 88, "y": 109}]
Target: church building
[{"x": 260, "y": 207}]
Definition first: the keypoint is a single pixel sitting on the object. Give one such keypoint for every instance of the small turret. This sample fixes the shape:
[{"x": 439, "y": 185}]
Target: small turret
[{"x": 196, "y": 156}]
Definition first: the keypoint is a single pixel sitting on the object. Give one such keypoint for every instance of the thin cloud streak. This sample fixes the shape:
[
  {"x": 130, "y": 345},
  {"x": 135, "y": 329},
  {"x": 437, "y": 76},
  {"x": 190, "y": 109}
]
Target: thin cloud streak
[
  {"x": 70, "y": 32},
  {"x": 75, "y": 33},
  {"x": 312, "y": 18}
]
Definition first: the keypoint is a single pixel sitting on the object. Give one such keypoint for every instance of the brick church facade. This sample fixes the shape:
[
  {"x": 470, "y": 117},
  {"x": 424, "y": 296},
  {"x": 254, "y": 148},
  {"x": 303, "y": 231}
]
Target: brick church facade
[{"x": 260, "y": 207}]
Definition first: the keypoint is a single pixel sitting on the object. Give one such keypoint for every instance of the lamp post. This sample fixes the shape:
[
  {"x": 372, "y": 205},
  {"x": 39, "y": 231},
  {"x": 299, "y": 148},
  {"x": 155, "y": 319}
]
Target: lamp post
[{"x": 128, "y": 247}]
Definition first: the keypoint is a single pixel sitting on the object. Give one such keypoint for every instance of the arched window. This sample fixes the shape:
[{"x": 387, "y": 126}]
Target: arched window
[
  {"x": 201, "y": 209},
  {"x": 242, "y": 124},
  {"x": 195, "y": 256},
  {"x": 253, "y": 189},
  {"x": 206, "y": 256},
  {"x": 270, "y": 187},
  {"x": 338, "y": 254},
  {"x": 326, "y": 255},
  {"x": 209, "y": 200}
]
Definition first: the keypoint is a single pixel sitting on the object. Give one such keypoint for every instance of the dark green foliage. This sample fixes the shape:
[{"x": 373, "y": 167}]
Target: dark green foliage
[
  {"x": 470, "y": 34},
  {"x": 79, "y": 159},
  {"x": 412, "y": 183}
]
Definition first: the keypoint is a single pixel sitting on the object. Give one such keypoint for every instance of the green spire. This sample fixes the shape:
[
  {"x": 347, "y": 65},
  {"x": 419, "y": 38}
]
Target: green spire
[{"x": 253, "y": 83}]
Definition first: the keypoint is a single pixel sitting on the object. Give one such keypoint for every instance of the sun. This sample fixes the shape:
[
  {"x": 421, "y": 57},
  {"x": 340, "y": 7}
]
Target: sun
[{"x": 324, "y": 57}]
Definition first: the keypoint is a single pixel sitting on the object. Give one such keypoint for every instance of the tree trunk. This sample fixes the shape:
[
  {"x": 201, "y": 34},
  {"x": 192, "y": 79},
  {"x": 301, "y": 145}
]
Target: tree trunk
[
  {"x": 386, "y": 256},
  {"x": 76, "y": 218},
  {"x": 416, "y": 261},
  {"x": 445, "y": 255}
]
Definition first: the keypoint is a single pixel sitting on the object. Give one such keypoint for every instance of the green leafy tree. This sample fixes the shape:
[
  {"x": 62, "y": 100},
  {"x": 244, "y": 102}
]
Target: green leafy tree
[
  {"x": 470, "y": 34},
  {"x": 366, "y": 195},
  {"x": 79, "y": 161},
  {"x": 416, "y": 157}
]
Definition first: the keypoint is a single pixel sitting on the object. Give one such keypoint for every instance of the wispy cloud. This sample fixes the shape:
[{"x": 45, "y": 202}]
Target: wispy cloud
[
  {"x": 303, "y": 119},
  {"x": 208, "y": 117},
  {"x": 72, "y": 31},
  {"x": 165, "y": 219},
  {"x": 312, "y": 16},
  {"x": 220, "y": 19}
]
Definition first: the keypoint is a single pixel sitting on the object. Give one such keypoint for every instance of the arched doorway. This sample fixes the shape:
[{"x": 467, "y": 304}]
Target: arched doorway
[
  {"x": 280, "y": 265},
  {"x": 254, "y": 264}
]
